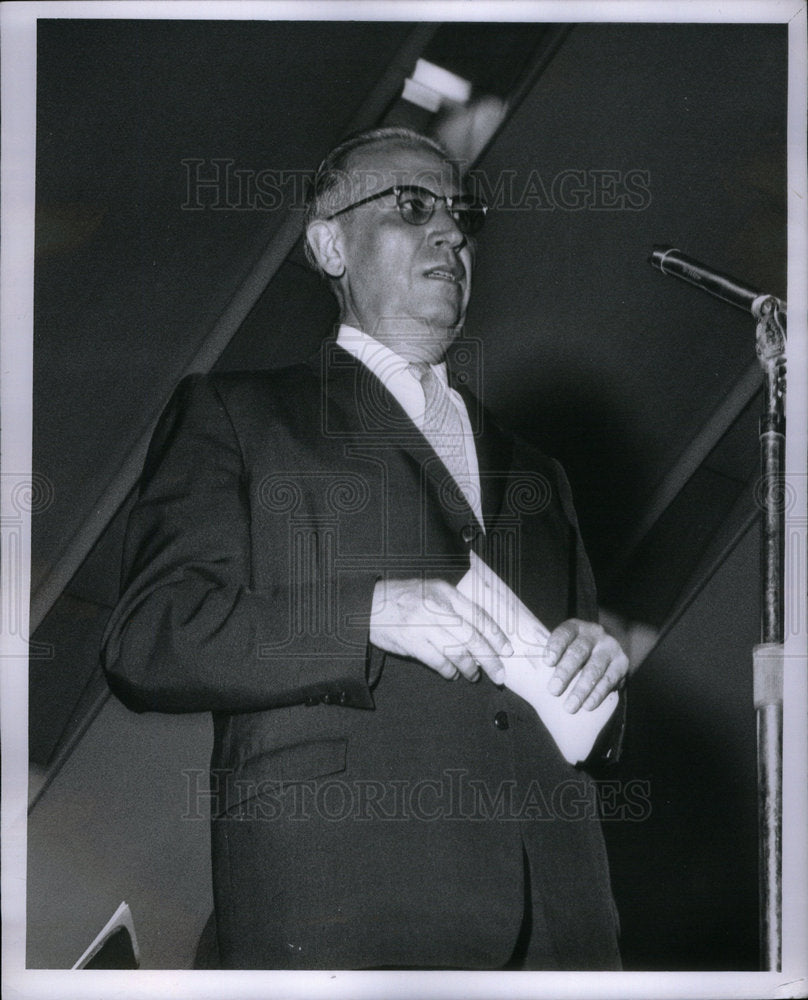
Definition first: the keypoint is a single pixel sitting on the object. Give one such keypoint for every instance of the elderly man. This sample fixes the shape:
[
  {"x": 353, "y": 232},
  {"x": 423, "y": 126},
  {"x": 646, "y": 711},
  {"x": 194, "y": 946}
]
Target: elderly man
[{"x": 379, "y": 797}]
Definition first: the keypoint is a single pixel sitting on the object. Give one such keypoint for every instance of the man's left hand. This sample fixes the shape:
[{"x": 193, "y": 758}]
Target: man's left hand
[{"x": 588, "y": 663}]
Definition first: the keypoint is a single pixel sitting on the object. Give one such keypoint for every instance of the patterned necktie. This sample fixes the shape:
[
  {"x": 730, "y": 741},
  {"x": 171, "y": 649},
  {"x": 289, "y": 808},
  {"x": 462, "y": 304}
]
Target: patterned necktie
[{"x": 443, "y": 428}]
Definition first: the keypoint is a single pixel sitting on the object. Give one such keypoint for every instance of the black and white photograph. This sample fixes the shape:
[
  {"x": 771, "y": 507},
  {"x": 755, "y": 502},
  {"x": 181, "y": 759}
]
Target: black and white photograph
[{"x": 404, "y": 527}]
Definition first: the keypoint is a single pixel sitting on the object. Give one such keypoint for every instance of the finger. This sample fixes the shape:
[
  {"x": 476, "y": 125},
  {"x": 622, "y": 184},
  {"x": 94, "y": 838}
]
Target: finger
[
  {"x": 432, "y": 657},
  {"x": 447, "y": 670},
  {"x": 438, "y": 648},
  {"x": 489, "y": 661},
  {"x": 454, "y": 660},
  {"x": 490, "y": 668},
  {"x": 594, "y": 669},
  {"x": 610, "y": 681},
  {"x": 575, "y": 656},
  {"x": 481, "y": 622},
  {"x": 464, "y": 662},
  {"x": 560, "y": 638},
  {"x": 473, "y": 652},
  {"x": 470, "y": 655}
]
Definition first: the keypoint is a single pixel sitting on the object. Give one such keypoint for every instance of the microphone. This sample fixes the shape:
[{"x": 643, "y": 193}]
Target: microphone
[{"x": 668, "y": 260}]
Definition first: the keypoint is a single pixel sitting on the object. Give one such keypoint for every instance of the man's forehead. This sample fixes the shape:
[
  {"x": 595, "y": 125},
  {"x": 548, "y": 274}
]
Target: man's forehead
[{"x": 375, "y": 168}]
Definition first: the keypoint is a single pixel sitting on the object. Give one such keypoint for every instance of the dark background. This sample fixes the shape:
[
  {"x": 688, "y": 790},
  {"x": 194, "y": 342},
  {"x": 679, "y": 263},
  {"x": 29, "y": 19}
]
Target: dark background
[{"x": 646, "y": 390}]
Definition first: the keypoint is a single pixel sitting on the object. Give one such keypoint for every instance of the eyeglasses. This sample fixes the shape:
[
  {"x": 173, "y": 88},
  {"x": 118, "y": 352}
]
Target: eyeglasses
[{"x": 416, "y": 205}]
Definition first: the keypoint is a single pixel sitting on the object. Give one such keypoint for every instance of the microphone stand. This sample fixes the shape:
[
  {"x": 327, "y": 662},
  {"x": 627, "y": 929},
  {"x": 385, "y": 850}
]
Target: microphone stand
[{"x": 769, "y": 313}]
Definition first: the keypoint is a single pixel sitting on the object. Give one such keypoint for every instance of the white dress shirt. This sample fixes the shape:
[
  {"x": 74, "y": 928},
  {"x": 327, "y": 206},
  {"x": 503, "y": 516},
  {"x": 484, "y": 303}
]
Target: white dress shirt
[{"x": 394, "y": 373}]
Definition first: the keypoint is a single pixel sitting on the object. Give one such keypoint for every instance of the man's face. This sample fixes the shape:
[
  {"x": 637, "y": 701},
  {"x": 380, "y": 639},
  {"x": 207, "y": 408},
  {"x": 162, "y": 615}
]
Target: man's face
[{"x": 408, "y": 286}]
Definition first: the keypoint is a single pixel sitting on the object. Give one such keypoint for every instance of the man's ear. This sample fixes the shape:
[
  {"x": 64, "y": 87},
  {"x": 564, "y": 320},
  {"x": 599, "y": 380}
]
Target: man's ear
[{"x": 326, "y": 244}]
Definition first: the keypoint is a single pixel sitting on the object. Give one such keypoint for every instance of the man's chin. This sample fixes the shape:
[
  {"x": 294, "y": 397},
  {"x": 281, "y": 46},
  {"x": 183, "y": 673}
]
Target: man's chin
[
  {"x": 418, "y": 338},
  {"x": 446, "y": 322}
]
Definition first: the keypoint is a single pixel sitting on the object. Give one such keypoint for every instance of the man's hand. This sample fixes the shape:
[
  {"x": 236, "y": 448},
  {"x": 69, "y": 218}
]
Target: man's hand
[
  {"x": 583, "y": 652},
  {"x": 434, "y": 623}
]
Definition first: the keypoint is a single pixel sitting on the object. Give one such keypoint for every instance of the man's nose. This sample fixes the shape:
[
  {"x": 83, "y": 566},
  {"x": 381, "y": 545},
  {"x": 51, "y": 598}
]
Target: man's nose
[{"x": 444, "y": 229}]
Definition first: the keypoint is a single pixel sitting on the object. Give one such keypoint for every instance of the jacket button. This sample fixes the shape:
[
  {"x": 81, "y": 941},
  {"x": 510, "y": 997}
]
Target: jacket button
[
  {"x": 501, "y": 720},
  {"x": 343, "y": 697},
  {"x": 468, "y": 533}
]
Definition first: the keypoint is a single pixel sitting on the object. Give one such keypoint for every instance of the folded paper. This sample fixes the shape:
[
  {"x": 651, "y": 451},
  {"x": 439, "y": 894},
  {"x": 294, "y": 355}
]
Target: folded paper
[{"x": 526, "y": 673}]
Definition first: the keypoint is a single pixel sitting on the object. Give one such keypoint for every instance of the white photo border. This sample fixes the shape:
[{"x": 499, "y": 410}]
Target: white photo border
[{"x": 18, "y": 22}]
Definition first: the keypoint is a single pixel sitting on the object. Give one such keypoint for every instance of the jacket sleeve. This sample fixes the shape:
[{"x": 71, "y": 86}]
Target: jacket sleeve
[{"x": 191, "y": 632}]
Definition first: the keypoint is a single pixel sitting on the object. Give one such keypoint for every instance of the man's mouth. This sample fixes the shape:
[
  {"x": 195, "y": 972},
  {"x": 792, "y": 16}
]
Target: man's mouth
[{"x": 444, "y": 274}]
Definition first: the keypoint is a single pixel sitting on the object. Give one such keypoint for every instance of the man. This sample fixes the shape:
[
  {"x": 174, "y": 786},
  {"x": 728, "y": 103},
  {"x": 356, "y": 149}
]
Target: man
[{"x": 380, "y": 798}]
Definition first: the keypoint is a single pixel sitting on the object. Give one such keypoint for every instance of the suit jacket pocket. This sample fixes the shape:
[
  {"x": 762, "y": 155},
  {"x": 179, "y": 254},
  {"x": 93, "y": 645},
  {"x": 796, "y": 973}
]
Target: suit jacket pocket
[{"x": 268, "y": 768}]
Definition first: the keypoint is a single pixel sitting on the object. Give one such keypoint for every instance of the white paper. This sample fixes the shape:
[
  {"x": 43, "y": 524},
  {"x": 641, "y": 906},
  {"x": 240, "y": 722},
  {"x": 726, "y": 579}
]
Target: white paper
[
  {"x": 526, "y": 673},
  {"x": 122, "y": 917}
]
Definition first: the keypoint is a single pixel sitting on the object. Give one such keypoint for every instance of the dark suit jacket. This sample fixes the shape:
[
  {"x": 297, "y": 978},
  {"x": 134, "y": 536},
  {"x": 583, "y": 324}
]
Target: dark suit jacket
[{"x": 366, "y": 812}]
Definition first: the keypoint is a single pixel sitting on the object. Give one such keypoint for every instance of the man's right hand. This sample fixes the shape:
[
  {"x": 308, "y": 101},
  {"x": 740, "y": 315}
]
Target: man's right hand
[{"x": 433, "y": 622}]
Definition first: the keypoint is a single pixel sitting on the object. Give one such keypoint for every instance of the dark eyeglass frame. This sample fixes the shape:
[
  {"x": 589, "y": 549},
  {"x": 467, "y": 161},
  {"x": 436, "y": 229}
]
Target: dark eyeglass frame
[{"x": 468, "y": 223}]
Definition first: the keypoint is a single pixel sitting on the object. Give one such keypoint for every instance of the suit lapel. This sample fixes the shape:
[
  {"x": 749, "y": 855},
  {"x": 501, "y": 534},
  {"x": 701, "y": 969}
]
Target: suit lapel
[
  {"x": 356, "y": 404},
  {"x": 494, "y": 456}
]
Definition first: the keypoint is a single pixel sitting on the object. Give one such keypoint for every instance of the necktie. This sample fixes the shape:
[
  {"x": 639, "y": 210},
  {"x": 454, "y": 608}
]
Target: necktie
[{"x": 443, "y": 428}]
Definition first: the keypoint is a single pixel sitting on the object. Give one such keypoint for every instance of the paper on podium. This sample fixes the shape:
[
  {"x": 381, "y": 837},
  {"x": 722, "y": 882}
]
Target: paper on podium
[{"x": 526, "y": 673}]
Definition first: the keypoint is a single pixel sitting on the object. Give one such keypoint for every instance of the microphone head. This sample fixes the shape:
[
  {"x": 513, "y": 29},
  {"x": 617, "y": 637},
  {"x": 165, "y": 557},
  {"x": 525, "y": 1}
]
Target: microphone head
[{"x": 659, "y": 253}]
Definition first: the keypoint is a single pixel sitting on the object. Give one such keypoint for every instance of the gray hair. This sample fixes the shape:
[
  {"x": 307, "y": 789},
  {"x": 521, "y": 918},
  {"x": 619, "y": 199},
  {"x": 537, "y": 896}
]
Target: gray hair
[{"x": 329, "y": 181}]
